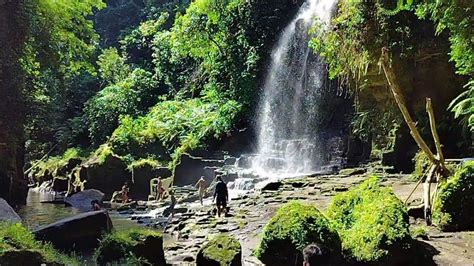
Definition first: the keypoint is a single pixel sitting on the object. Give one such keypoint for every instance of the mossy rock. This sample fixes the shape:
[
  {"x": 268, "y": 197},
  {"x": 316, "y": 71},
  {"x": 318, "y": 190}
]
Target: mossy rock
[
  {"x": 454, "y": 205},
  {"x": 19, "y": 247},
  {"x": 372, "y": 222},
  {"x": 119, "y": 247},
  {"x": 294, "y": 226},
  {"x": 221, "y": 250}
]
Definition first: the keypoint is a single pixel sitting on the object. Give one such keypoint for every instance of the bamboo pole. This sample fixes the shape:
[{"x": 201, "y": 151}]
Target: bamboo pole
[
  {"x": 400, "y": 100},
  {"x": 413, "y": 191},
  {"x": 434, "y": 132},
  {"x": 427, "y": 194}
]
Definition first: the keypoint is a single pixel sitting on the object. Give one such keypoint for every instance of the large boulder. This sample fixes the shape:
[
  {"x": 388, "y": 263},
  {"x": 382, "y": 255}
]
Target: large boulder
[
  {"x": 82, "y": 200},
  {"x": 18, "y": 247},
  {"x": 79, "y": 232},
  {"x": 294, "y": 226},
  {"x": 372, "y": 223},
  {"x": 221, "y": 250},
  {"x": 106, "y": 174},
  {"x": 7, "y": 214},
  {"x": 144, "y": 244},
  {"x": 190, "y": 169},
  {"x": 140, "y": 187}
]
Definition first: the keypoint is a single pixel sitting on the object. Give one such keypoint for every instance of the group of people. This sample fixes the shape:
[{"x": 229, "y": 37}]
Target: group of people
[
  {"x": 221, "y": 194},
  {"x": 313, "y": 254}
]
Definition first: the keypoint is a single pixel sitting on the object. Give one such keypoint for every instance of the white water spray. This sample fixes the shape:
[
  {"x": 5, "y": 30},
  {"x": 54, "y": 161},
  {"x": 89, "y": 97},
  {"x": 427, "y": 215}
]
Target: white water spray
[{"x": 287, "y": 140}]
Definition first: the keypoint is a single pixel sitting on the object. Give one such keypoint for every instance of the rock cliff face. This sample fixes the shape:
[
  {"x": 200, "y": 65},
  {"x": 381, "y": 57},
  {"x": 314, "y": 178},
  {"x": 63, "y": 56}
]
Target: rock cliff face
[
  {"x": 425, "y": 73},
  {"x": 12, "y": 35}
]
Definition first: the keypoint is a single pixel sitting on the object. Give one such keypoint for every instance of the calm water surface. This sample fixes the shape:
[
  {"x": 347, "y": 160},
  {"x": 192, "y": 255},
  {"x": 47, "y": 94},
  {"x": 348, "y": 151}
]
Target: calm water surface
[{"x": 36, "y": 214}]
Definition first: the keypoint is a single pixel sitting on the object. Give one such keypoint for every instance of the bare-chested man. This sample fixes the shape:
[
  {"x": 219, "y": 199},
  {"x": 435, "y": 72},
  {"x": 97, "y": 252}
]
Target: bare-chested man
[{"x": 201, "y": 186}]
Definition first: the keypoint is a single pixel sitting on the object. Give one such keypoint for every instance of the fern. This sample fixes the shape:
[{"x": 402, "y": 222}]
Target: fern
[{"x": 463, "y": 106}]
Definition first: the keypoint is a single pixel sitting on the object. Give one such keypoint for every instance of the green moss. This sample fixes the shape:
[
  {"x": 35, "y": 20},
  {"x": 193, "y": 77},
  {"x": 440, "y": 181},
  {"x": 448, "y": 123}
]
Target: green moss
[
  {"x": 16, "y": 239},
  {"x": 149, "y": 161},
  {"x": 101, "y": 154},
  {"x": 371, "y": 221},
  {"x": 419, "y": 232},
  {"x": 422, "y": 163},
  {"x": 454, "y": 204},
  {"x": 294, "y": 226},
  {"x": 122, "y": 246},
  {"x": 222, "y": 249},
  {"x": 52, "y": 164}
]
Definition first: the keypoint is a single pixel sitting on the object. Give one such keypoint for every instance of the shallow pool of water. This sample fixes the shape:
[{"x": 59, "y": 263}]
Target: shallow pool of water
[{"x": 36, "y": 214}]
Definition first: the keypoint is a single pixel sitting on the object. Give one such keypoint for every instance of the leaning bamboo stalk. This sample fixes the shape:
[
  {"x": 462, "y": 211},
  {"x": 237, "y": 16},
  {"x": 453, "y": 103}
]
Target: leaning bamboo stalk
[
  {"x": 399, "y": 99},
  {"x": 427, "y": 194},
  {"x": 417, "y": 184},
  {"x": 434, "y": 132},
  {"x": 435, "y": 192}
]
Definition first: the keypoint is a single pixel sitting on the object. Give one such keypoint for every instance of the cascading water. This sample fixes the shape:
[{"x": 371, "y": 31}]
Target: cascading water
[{"x": 288, "y": 143}]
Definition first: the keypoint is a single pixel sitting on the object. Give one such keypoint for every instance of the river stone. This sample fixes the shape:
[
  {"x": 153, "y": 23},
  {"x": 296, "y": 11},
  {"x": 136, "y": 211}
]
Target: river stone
[
  {"x": 140, "y": 187},
  {"x": 272, "y": 186},
  {"x": 352, "y": 171},
  {"x": 21, "y": 257},
  {"x": 143, "y": 244},
  {"x": 107, "y": 175},
  {"x": 80, "y": 232},
  {"x": 82, "y": 200},
  {"x": 230, "y": 161},
  {"x": 221, "y": 250},
  {"x": 191, "y": 168},
  {"x": 7, "y": 213}
]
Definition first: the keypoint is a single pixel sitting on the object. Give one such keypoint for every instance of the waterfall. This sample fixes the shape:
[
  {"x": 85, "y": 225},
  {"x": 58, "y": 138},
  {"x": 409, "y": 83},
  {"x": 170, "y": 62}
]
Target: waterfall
[{"x": 288, "y": 141}]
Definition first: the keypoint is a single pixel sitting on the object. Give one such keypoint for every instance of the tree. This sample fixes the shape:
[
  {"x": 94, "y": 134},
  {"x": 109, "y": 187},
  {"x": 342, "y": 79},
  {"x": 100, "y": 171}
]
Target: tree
[{"x": 12, "y": 36}]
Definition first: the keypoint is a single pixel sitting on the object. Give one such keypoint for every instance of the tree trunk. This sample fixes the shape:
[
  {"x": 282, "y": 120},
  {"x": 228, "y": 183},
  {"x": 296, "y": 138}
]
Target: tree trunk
[{"x": 12, "y": 37}]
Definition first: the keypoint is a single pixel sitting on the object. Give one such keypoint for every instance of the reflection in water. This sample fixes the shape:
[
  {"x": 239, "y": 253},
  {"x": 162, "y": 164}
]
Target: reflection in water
[{"x": 36, "y": 214}]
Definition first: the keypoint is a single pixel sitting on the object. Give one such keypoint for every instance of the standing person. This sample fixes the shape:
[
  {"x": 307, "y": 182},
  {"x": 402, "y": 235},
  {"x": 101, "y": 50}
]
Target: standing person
[
  {"x": 201, "y": 186},
  {"x": 221, "y": 195},
  {"x": 173, "y": 202},
  {"x": 125, "y": 191},
  {"x": 160, "y": 189}
]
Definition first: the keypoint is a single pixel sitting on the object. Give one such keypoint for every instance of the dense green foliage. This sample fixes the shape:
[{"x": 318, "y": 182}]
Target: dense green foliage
[
  {"x": 361, "y": 28},
  {"x": 294, "y": 226},
  {"x": 52, "y": 165},
  {"x": 222, "y": 249},
  {"x": 179, "y": 74},
  {"x": 60, "y": 74},
  {"x": 19, "y": 247},
  {"x": 422, "y": 163},
  {"x": 371, "y": 221},
  {"x": 456, "y": 17},
  {"x": 171, "y": 89},
  {"x": 454, "y": 204},
  {"x": 134, "y": 244}
]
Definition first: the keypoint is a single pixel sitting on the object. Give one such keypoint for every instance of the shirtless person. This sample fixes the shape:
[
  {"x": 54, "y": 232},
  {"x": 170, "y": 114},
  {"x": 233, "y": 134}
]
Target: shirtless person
[
  {"x": 201, "y": 186},
  {"x": 125, "y": 191},
  {"x": 160, "y": 189}
]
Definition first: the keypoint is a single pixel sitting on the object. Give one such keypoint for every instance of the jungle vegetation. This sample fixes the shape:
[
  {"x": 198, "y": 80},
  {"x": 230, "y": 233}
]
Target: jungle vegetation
[{"x": 171, "y": 76}]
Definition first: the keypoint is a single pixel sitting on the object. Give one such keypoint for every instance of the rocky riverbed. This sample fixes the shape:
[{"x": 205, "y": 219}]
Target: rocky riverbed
[{"x": 250, "y": 212}]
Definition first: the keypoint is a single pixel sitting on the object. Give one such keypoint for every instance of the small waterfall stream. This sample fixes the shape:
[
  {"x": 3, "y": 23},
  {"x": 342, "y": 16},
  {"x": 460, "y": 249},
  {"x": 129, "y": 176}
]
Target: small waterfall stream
[{"x": 288, "y": 142}]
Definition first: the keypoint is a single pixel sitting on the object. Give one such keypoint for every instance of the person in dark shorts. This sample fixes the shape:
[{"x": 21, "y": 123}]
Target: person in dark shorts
[
  {"x": 315, "y": 255},
  {"x": 221, "y": 196}
]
